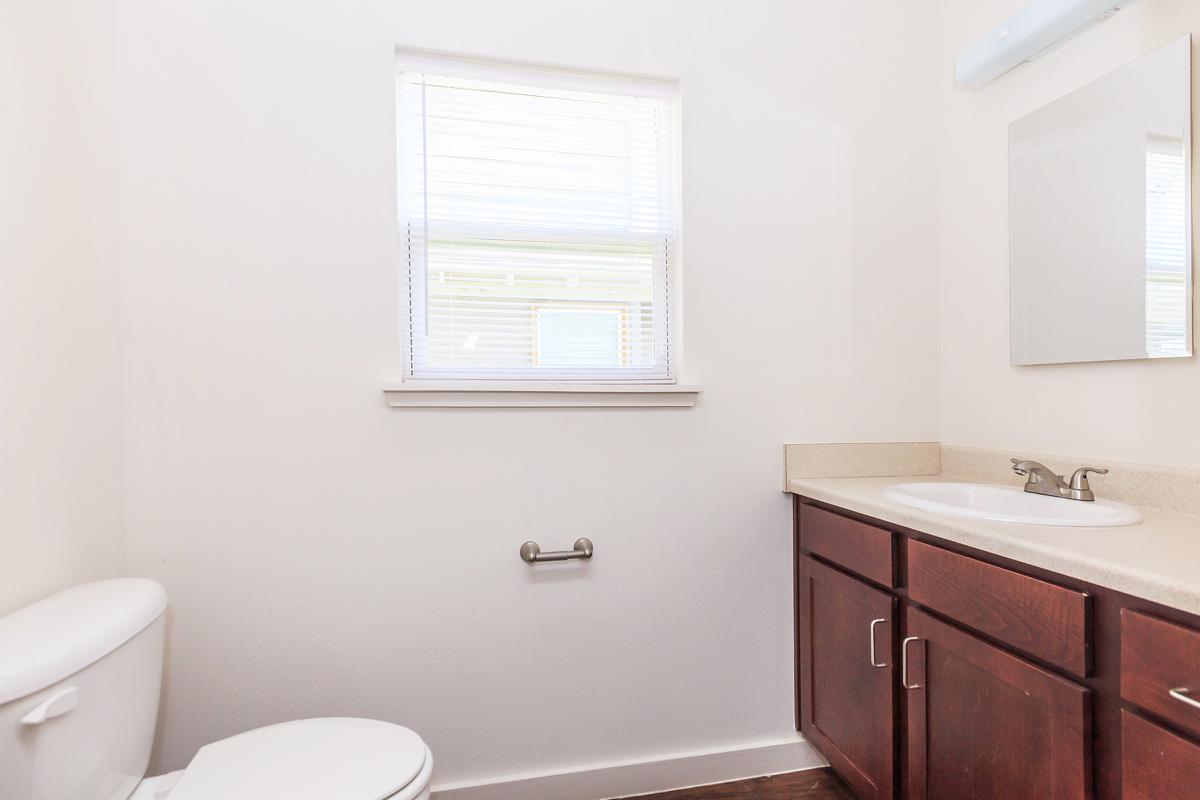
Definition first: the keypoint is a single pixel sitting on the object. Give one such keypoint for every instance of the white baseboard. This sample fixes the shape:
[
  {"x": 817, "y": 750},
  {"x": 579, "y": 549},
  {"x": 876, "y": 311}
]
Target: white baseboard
[{"x": 676, "y": 771}]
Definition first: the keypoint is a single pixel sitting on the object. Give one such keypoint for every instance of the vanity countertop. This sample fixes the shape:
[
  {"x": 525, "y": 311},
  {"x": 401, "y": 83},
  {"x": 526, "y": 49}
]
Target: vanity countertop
[{"x": 1157, "y": 559}]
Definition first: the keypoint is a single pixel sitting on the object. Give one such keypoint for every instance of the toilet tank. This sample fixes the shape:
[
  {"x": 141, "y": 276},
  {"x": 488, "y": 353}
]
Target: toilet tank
[{"x": 80, "y": 673}]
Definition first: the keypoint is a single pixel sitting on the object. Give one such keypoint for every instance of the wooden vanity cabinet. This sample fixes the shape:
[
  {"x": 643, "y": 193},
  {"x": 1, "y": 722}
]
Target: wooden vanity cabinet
[
  {"x": 1032, "y": 616},
  {"x": 993, "y": 680},
  {"x": 1155, "y": 763},
  {"x": 847, "y": 677},
  {"x": 865, "y": 550},
  {"x": 985, "y": 724},
  {"x": 1160, "y": 670}
]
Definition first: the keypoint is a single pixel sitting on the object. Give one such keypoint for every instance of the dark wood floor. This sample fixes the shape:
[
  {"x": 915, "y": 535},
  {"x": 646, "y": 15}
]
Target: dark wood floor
[{"x": 813, "y": 784}]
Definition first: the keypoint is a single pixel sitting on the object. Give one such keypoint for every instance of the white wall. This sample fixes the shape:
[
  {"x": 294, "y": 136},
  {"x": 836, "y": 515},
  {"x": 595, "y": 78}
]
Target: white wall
[
  {"x": 327, "y": 555},
  {"x": 1133, "y": 411},
  {"x": 60, "y": 394}
]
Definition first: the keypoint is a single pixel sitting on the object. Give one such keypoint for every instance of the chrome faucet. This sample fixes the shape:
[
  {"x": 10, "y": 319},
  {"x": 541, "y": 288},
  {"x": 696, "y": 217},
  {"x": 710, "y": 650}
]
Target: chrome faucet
[{"x": 1043, "y": 481}]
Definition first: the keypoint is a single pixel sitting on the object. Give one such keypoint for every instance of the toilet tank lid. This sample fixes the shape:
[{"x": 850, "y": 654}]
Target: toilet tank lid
[{"x": 54, "y": 638}]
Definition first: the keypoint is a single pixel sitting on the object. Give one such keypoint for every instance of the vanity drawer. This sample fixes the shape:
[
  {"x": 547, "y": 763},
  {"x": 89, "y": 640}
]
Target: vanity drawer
[
  {"x": 856, "y": 546},
  {"x": 1156, "y": 764},
  {"x": 1042, "y": 619},
  {"x": 1156, "y": 658}
]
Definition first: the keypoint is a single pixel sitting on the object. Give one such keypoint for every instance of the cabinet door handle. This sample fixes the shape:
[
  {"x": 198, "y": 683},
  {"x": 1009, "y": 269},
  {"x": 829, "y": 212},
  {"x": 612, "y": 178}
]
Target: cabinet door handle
[
  {"x": 904, "y": 663},
  {"x": 1181, "y": 694},
  {"x": 875, "y": 622}
]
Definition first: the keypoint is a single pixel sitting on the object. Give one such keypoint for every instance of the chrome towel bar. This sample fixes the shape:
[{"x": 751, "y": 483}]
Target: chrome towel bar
[{"x": 532, "y": 554}]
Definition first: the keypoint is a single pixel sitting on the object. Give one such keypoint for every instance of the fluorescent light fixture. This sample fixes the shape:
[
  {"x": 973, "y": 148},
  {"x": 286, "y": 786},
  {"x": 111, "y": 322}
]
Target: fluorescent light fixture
[{"x": 1026, "y": 35}]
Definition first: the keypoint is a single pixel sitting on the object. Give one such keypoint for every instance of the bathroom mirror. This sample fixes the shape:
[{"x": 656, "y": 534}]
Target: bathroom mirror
[{"x": 1100, "y": 218}]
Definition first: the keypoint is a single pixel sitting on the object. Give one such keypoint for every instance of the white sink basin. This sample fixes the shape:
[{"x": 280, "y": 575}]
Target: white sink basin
[{"x": 1011, "y": 504}]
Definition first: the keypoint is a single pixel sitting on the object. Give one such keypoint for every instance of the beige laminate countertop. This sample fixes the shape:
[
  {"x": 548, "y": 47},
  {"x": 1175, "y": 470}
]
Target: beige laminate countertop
[{"x": 1157, "y": 559}]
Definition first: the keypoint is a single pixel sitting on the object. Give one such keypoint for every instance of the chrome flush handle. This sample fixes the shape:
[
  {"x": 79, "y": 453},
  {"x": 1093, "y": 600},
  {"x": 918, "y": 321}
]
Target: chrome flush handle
[
  {"x": 904, "y": 663},
  {"x": 875, "y": 622}
]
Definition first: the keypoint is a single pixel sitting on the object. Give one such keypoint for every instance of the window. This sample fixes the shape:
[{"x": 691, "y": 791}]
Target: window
[
  {"x": 538, "y": 216},
  {"x": 1168, "y": 294}
]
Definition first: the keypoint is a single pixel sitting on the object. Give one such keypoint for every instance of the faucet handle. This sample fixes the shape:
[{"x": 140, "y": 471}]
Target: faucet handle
[{"x": 1079, "y": 479}]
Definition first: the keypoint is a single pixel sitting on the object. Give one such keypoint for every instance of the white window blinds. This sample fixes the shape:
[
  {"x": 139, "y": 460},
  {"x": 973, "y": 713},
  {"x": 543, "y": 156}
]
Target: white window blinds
[
  {"x": 538, "y": 213},
  {"x": 1168, "y": 294}
]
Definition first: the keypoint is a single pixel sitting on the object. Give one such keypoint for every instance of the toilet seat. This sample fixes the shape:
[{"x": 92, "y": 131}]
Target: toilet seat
[{"x": 312, "y": 759}]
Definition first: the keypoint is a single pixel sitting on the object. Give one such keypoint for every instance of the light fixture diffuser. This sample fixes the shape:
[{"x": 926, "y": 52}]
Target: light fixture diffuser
[{"x": 1026, "y": 35}]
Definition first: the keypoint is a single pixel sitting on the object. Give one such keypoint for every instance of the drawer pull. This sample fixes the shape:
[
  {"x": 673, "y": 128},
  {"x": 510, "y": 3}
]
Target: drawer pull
[
  {"x": 1181, "y": 695},
  {"x": 904, "y": 663},
  {"x": 875, "y": 622}
]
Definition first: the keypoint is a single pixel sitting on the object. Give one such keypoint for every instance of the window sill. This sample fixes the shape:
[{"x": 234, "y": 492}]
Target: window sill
[{"x": 431, "y": 394}]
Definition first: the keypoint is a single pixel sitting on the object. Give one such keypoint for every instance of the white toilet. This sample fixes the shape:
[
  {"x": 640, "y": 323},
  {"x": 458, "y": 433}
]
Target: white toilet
[{"x": 79, "y": 682}]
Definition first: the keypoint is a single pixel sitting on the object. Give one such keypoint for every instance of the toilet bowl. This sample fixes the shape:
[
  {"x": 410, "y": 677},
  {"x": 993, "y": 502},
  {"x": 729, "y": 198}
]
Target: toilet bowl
[
  {"x": 79, "y": 682},
  {"x": 309, "y": 759}
]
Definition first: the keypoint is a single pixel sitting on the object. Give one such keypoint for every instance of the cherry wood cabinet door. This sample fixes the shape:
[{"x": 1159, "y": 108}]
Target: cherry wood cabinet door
[
  {"x": 987, "y": 725},
  {"x": 1156, "y": 764},
  {"x": 847, "y": 676}
]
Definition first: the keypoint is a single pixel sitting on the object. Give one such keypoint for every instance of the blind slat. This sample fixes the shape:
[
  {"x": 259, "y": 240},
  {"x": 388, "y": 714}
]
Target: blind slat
[{"x": 1167, "y": 264}]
